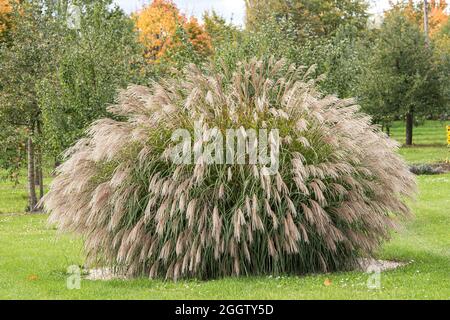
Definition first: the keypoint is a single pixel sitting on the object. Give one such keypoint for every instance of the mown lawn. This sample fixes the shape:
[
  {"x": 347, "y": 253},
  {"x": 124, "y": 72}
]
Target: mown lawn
[
  {"x": 13, "y": 197},
  {"x": 34, "y": 259},
  {"x": 420, "y": 155},
  {"x": 429, "y": 139},
  {"x": 428, "y": 133}
]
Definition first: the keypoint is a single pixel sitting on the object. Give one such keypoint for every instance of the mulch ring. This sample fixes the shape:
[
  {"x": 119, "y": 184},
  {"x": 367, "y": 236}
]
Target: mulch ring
[{"x": 444, "y": 166}]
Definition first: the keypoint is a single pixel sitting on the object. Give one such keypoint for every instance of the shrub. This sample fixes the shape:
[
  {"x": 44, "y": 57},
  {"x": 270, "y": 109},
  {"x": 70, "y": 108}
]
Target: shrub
[{"x": 339, "y": 190}]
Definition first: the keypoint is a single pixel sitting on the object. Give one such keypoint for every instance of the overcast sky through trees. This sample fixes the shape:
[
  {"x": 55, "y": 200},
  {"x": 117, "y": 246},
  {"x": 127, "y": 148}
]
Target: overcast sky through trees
[{"x": 230, "y": 9}]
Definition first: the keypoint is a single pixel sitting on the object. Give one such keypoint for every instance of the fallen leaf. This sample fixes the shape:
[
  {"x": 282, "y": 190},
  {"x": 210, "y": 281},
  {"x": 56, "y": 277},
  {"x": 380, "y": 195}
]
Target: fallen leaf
[{"x": 32, "y": 277}]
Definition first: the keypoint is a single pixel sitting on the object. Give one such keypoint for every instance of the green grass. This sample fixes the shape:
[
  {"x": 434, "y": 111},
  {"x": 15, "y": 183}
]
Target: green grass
[
  {"x": 429, "y": 133},
  {"x": 416, "y": 155},
  {"x": 34, "y": 261},
  {"x": 430, "y": 142},
  {"x": 13, "y": 198}
]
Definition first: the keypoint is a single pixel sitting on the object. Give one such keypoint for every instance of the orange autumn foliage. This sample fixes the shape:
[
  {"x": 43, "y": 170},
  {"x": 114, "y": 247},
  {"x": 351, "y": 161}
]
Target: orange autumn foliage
[
  {"x": 199, "y": 38},
  {"x": 157, "y": 24},
  {"x": 5, "y": 10},
  {"x": 437, "y": 15}
]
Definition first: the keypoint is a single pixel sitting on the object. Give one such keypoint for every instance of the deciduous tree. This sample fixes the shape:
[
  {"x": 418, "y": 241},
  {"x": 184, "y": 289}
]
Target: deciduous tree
[
  {"x": 93, "y": 61},
  {"x": 5, "y": 19},
  {"x": 24, "y": 63},
  {"x": 437, "y": 13},
  {"x": 158, "y": 24},
  {"x": 219, "y": 29},
  {"x": 401, "y": 79},
  {"x": 312, "y": 17}
]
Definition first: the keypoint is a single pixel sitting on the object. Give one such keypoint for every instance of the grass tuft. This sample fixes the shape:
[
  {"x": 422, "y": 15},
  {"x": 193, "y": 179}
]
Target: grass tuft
[{"x": 338, "y": 193}]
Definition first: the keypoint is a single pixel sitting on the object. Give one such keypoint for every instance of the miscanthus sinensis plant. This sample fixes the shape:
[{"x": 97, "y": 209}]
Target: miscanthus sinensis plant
[{"x": 338, "y": 193}]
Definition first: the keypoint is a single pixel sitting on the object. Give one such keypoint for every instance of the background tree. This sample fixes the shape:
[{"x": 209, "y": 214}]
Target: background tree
[
  {"x": 400, "y": 79},
  {"x": 25, "y": 62},
  {"x": 93, "y": 61},
  {"x": 339, "y": 58},
  {"x": 437, "y": 15},
  {"x": 219, "y": 30},
  {"x": 180, "y": 54},
  {"x": 200, "y": 39},
  {"x": 5, "y": 19},
  {"x": 272, "y": 39},
  {"x": 337, "y": 55},
  {"x": 56, "y": 80},
  {"x": 13, "y": 150},
  {"x": 311, "y": 17},
  {"x": 441, "y": 42},
  {"x": 158, "y": 25}
]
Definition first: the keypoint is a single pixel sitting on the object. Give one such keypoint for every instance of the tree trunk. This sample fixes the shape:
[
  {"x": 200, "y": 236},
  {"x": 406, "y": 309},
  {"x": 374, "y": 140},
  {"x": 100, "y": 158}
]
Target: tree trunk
[
  {"x": 57, "y": 163},
  {"x": 32, "y": 200},
  {"x": 40, "y": 176},
  {"x": 36, "y": 166},
  {"x": 409, "y": 128},
  {"x": 425, "y": 24},
  {"x": 41, "y": 183}
]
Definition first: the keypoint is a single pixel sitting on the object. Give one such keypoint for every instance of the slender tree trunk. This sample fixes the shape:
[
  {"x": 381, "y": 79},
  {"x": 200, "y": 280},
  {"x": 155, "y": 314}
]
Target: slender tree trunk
[
  {"x": 41, "y": 185},
  {"x": 409, "y": 127},
  {"x": 425, "y": 23},
  {"x": 32, "y": 200},
  {"x": 36, "y": 166},
  {"x": 40, "y": 175},
  {"x": 57, "y": 163}
]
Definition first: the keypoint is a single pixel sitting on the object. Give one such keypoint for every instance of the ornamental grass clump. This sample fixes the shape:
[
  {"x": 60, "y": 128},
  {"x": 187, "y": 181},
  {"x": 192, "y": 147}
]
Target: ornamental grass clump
[{"x": 338, "y": 192}]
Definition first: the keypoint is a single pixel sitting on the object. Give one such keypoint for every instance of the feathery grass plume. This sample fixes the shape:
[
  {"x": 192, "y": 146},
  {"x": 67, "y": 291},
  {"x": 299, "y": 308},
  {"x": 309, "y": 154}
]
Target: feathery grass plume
[{"x": 339, "y": 190}]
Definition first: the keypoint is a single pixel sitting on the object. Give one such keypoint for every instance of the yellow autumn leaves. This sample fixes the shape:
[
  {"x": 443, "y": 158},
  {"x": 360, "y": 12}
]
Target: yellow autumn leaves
[
  {"x": 5, "y": 9},
  {"x": 157, "y": 24}
]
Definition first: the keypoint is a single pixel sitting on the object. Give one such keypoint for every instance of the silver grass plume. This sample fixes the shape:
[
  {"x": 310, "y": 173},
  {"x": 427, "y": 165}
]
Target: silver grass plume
[{"x": 340, "y": 190}]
